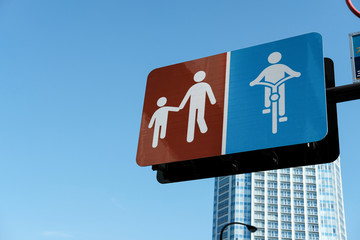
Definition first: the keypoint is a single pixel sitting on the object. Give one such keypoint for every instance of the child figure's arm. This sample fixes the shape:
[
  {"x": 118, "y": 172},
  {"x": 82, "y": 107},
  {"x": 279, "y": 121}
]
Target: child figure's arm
[{"x": 174, "y": 109}]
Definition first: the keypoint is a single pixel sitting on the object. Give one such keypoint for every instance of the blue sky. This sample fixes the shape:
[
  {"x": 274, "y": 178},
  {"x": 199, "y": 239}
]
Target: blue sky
[{"x": 72, "y": 84}]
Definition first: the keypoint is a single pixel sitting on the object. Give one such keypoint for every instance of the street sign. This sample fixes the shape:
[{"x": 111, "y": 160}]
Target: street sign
[
  {"x": 323, "y": 151},
  {"x": 355, "y": 55},
  {"x": 262, "y": 97}
]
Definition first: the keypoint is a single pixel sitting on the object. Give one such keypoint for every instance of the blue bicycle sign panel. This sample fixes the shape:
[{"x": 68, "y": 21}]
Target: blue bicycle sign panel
[{"x": 276, "y": 95}]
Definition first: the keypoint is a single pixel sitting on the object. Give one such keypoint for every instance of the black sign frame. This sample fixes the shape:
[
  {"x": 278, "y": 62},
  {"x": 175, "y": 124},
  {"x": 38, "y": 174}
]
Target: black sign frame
[{"x": 324, "y": 151}]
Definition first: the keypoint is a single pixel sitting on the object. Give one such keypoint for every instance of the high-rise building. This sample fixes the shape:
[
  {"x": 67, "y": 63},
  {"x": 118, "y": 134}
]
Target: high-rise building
[{"x": 293, "y": 203}]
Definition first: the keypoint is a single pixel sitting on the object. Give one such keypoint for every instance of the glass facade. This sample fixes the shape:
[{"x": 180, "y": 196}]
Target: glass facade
[{"x": 296, "y": 203}]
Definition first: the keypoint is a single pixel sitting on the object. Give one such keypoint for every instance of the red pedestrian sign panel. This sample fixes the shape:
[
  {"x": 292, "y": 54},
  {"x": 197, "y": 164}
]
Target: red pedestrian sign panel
[{"x": 183, "y": 112}]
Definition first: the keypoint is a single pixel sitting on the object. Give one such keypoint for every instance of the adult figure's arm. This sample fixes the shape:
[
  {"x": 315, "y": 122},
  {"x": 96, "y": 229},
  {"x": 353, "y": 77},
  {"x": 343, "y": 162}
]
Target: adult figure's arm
[
  {"x": 185, "y": 99},
  {"x": 152, "y": 120},
  {"x": 210, "y": 94}
]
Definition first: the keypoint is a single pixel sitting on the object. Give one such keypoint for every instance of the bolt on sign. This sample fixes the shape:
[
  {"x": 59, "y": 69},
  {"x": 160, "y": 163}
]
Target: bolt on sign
[{"x": 261, "y": 97}]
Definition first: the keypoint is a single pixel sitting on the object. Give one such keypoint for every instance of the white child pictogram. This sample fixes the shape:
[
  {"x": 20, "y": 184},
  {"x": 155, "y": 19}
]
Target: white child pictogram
[
  {"x": 274, "y": 81},
  {"x": 197, "y": 95},
  {"x": 159, "y": 119}
]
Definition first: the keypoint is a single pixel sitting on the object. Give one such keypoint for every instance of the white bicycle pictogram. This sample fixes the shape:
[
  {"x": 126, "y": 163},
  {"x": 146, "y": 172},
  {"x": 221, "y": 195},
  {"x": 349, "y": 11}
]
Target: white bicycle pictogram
[{"x": 274, "y": 77}]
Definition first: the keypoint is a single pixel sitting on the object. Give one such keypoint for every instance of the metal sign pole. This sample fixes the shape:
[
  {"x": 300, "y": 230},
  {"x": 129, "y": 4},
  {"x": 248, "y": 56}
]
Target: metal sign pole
[{"x": 343, "y": 93}]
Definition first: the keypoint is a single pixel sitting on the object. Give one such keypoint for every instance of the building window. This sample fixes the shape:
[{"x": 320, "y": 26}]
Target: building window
[
  {"x": 298, "y": 202},
  {"x": 224, "y": 181},
  {"x": 223, "y": 204},
  {"x": 259, "y": 207},
  {"x": 299, "y": 235},
  {"x": 259, "y": 223},
  {"x": 272, "y": 184},
  {"x": 313, "y": 236},
  {"x": 222, "y": 220},
  {"x": 272, "y": 216},
  {"x": 285, "y": 178},
  {"x": 259, "y": 215},
  {"x": 298, "y": 178},
  {"x": 285, "y": 170},
  {"x": 224, "y": 189},
  {"x": 299, "y": 218},
  {"x": 223, "y": 212},
  {"x": 312, "y": 203},
  {"x": 272, "y": 200},
  {"x": 310, "y": 171},
  {"x": 285, "y": 193},
  {"x": 272, "y": 176},
  {"x": 310, "y": 187},
  {"x": 286, "y": 226},
  {"x": 272, "y": 192},
  {"x": 259, "y": 184},
  {"x": 310, "y": 179},
  {"x": 223, "y": 196},
  {"x": 313, "y": 228},
  {"x": 298, "y": 210},
  {"x": 272, "y": 224},
  {"x": 273, "y": 233},
  {"x": 300, "y": 227},
  {"x": 259, "y": 191},
  {"x": 259, "y": 199},
  {"x": 285, "y": 201},
  {"x": 312, "y": 211},
  {"x": 285, "y": 217},
  {"x": 285, "y": 209},
  {"x": 260, "y": 232},
  {"x": 311, "y": 195},
  {"x": 286, "y": 234},
  {"x": 298, "y": 194},
  {"x": 313, "y": 219}
]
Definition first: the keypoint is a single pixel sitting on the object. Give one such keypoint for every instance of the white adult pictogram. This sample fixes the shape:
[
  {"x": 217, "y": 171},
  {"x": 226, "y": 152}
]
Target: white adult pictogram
[
  {"x": 159, "y": 119},
  {"x": 274, "y": 81},
  {"x": 197, "y": 95}
]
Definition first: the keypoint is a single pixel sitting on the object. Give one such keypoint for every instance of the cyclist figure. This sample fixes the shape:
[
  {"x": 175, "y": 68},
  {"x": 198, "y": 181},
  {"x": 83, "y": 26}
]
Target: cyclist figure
[{"x": 273, "y": 74}]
